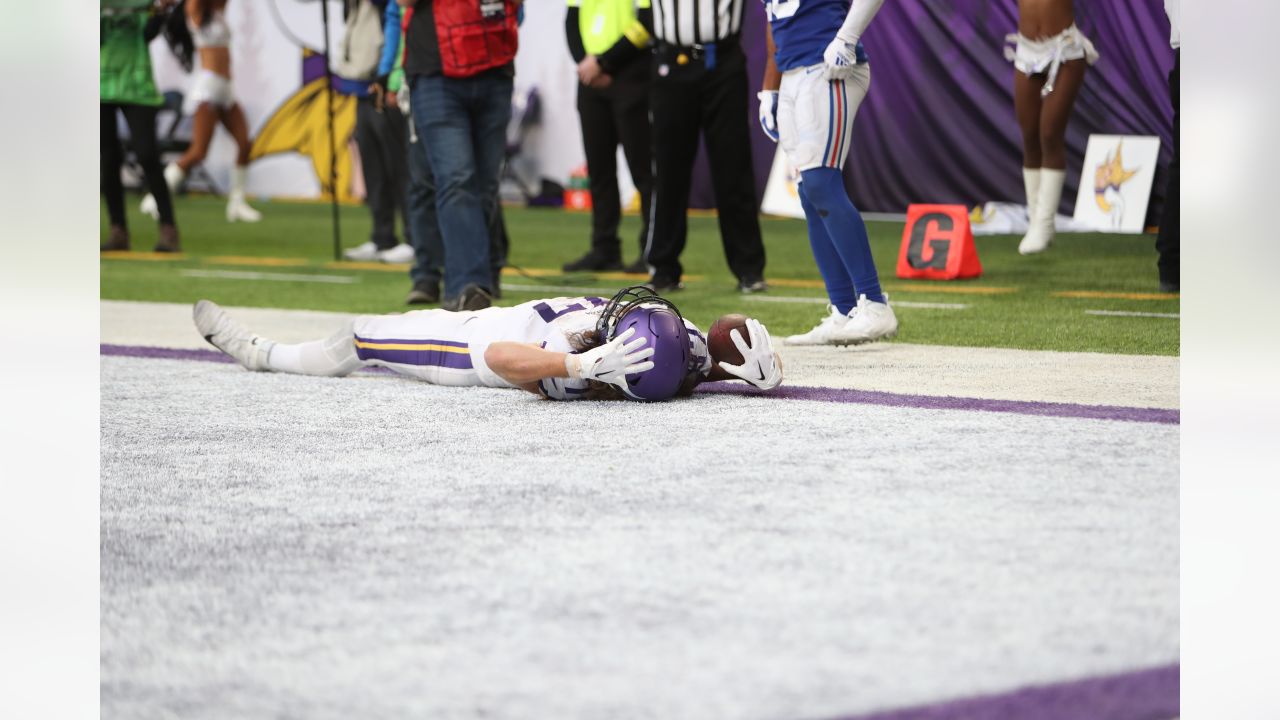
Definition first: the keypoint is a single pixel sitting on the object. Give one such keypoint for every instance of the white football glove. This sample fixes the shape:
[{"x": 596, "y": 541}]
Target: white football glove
[
  {"x": 760, "y": 364},
  {"x": 840, "y": 57},
  {"x": 612, "y": 362},
  {"x": 769, "y": 113}
]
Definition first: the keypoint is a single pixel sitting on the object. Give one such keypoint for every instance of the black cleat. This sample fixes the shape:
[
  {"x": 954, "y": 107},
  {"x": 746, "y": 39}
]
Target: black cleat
[{"x": 594, "y": 261}]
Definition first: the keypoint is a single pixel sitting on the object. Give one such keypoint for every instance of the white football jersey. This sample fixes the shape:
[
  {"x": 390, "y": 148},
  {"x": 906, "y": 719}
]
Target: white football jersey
[{"x": 447, "y": 348}]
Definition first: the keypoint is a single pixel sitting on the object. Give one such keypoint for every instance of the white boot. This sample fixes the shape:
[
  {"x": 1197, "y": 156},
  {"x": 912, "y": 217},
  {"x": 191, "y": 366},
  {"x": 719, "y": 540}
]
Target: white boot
[
  {"x": 237, "y": 208},
  {"x": 1040, "y": 235},
  {"x": 1031, "y": 183},
  {"x": 173, "y": 177}
]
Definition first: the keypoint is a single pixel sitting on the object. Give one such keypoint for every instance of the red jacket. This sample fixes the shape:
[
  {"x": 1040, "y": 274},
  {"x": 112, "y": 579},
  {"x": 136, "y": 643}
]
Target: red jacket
[{"x": 470, "y": 42}]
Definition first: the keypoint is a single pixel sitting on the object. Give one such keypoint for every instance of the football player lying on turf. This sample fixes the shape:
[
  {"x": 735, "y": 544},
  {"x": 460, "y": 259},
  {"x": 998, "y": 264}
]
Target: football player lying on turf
[{"x": 636, "y": 345}]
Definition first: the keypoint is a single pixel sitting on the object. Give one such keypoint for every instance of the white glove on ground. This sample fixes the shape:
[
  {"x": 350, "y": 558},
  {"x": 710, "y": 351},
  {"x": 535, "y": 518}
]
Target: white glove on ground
[
  {"x": 760, "y": 364},
  {"x": 769, "y": 113},
  {"x": 612, "y": 362}
]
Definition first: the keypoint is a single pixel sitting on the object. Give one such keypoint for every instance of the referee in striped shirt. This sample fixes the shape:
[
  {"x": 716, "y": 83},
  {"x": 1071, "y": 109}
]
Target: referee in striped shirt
[{"x": 700, "y": 83}]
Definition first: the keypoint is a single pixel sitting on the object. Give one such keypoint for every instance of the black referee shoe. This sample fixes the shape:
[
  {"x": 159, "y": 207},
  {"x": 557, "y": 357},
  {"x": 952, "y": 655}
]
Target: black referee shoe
[
  {"x": 749, "y": 286},
  {"x": 639, "y": 267},
  {"x": 660, "y": 284},
  {"x": 593, "y": 262}
]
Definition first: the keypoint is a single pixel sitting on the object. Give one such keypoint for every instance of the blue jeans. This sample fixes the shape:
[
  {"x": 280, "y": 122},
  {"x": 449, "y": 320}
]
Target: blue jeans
[
  {"x": 462, "y": 122},
  {"x": 424, "y": 227}
]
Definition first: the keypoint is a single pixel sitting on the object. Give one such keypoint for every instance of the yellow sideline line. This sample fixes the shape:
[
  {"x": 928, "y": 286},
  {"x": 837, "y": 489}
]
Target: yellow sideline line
[
  {"x": 1103, "y": 295},
  {"x": 247, "y": 260},
  {"x": 952, "y": 289},
  {"x": 375, "y": 266},
  {"x": 149, "y": 256}
]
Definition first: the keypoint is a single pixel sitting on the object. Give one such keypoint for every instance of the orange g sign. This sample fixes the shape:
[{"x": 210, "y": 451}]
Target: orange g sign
[{"x": 937, "y": 244}]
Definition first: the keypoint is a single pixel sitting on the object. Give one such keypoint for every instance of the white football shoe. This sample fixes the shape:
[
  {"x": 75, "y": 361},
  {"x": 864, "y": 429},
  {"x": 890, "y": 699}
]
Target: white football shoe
[
  {"x": 366, "y": 251},
  {"x": 149, "y": 207},
  {"x": 868, "y": 321},
  {"x": 228, "y": 336},
  {"x": 402, "y": 253},
  {"x": 238, "y": 209},
  {"x": 823, "y": 333}
]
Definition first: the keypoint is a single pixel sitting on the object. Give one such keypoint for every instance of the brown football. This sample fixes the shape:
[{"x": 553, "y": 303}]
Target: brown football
[{"x": 720, "y": 344}]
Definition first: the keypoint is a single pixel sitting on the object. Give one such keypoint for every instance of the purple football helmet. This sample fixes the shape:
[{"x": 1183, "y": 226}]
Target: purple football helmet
[{"x": 658, "y": 321}]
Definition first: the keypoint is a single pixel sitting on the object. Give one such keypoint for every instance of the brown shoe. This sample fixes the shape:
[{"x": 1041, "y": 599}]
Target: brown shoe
[
  {"x": 117, "y": 239},
  {"x": 168, "y": 240}
]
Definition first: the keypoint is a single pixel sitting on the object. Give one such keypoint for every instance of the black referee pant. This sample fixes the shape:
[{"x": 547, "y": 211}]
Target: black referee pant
[
  {"x": 612, "y": 115},
  {"x": 1168, "y": 241},
  {"x": 687, "y": 98}
]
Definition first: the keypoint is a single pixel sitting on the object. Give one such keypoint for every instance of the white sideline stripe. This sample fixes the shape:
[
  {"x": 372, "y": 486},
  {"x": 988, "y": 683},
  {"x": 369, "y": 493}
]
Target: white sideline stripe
[
  {"x": 1126, "y": 313},
  {"x": 823, "y": 301},
  {"x": 279, "y": 277}
]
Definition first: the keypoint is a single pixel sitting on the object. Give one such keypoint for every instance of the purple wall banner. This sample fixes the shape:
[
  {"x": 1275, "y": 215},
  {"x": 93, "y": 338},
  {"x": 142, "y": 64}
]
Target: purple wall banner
[{"x": 938, "y": 124}]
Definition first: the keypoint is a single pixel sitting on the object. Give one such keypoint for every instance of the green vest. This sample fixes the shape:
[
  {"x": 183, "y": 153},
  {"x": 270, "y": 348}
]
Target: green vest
[
  {"x": 602, "y": 22},
  {"x": 124, "y": 65}
]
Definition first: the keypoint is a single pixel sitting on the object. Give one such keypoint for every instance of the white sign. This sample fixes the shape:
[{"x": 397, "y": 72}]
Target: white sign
[
  {"x": 1115, "y": 183},
  {"x": 782, "y": 192}
]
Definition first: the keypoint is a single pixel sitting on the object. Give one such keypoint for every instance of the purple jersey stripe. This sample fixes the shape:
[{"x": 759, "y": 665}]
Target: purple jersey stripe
[{"x": 434, "y": 358}]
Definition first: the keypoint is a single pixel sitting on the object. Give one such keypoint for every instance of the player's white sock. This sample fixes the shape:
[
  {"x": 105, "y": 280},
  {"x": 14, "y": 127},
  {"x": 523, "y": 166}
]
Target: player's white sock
[
  {"x": 334, "y": 356},
  {"x": 1031, "y": 183}
]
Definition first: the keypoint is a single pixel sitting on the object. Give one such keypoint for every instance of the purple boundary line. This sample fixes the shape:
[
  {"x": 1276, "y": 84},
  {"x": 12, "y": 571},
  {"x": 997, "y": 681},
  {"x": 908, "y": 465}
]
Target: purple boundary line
[
  {"x": 936, "y": 402},
  {"x": 823, "y": 394},
  {"x": 1151, "y": 694}
]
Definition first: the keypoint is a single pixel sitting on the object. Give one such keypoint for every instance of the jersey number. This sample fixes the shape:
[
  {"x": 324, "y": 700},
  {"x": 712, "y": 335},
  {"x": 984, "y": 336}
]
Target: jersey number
[
  {"x": 549, "y": 310},
  {"x": 782, "y": 9}
]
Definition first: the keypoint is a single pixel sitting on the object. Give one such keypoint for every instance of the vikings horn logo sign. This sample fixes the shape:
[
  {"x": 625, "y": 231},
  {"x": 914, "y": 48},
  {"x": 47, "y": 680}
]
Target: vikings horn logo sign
[{"x": 1109, "y": 175}]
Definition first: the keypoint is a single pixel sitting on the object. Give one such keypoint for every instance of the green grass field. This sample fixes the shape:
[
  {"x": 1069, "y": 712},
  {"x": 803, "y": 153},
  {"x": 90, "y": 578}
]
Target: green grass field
[{"x": 1017, "y": 303}]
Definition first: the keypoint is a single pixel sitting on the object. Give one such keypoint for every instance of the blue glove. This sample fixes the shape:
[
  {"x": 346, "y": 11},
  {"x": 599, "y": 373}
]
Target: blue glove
[{"x": 769, "y": 113}]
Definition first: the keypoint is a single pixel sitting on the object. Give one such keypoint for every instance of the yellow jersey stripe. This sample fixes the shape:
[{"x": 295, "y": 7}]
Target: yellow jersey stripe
[{"x": 365, "y": 345}]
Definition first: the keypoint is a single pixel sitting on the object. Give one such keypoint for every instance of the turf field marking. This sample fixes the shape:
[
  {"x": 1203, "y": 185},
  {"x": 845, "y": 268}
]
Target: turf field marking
[
  {"x": 375, "y": 266},
  {"x": 945, "y": 289},
  {"x": 823, "y": 301},
  {"x": 1126, "y": 313},
  {"x": 247, "y": 260},
  {"x": 150, "y": 256},
  {"x": 277, "y": 277},
  {"x": 512, "y": 271},
  {"x": 951, "y": 289},
  {"x": 553, "y": 288},
  {"x": 1150, "y": 692},
  {"x": 1106, "y": 295},
  {"x": 798, "y": 392}
]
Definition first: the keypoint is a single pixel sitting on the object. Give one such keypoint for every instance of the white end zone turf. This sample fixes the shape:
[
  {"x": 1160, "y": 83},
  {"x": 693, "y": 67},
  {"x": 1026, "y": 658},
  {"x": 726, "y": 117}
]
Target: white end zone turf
[{"x": 987, "y": 373}]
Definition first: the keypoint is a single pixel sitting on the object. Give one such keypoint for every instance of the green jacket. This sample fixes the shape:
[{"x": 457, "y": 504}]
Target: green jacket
[{"x": 124, "y": 64}]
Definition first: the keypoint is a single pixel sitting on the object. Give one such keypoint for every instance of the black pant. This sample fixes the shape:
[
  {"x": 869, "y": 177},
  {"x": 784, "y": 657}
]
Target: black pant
[
  {"x": 685, "y": 99},
  {"x": 383, "y": 139},
  {"x": 618, "y": 113},
  {"x": 142, "y": 135},
  {"x": 1167, "y": 242}
]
